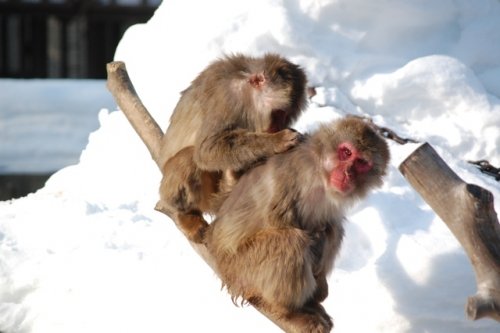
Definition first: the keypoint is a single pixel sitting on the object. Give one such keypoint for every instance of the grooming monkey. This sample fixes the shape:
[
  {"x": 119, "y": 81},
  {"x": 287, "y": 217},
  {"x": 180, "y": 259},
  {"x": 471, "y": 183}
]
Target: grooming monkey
[
  {"x": 234, "y": 114},
  {"x": 279, "y": 230}
]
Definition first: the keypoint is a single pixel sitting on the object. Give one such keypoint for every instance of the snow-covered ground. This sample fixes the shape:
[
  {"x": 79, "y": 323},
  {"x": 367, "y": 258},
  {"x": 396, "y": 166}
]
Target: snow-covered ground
[{"x": 88, "y": 253}]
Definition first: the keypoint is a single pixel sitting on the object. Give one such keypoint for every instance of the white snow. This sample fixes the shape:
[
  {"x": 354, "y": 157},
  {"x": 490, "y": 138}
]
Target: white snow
[{"x": 88, "y": 253}]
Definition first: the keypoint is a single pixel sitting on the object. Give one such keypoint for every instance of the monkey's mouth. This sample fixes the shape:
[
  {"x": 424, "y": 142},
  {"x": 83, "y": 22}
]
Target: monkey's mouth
[
  {"x": 341, "y": 182},
  {"x": 278, "y": 121}
]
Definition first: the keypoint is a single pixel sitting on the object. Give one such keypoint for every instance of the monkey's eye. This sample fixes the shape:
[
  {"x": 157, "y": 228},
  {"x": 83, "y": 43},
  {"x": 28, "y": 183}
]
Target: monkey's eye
[
  {"x": 362, "y": 165},
  {"x": 344, "y": 153}
]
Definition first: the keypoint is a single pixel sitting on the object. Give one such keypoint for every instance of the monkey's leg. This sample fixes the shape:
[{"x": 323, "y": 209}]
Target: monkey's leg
[
  {"x": 272, "y": 270},
  {"x": 321, "y": 292},
  {"x": 185, "y": 194}
]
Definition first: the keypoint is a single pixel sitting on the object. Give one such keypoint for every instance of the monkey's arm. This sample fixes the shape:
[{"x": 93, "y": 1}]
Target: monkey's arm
[{"x": 237, "y": 149}]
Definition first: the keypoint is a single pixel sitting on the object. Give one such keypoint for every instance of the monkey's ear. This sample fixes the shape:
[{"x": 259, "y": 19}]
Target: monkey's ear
[{"x": 257, "y": 80}]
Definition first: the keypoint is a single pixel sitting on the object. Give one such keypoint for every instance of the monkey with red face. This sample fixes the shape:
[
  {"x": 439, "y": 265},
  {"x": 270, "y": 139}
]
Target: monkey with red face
[
  {"x": 234, "y": 114},
  {"x": 276, "y": 235}
]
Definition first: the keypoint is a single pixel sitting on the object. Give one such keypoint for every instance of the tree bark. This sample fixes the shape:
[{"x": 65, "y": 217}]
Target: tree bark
[
  {"x": 123, "y": 91},
  {"x": 147, "y": 128},
  {"x": 468, "y": 212}
]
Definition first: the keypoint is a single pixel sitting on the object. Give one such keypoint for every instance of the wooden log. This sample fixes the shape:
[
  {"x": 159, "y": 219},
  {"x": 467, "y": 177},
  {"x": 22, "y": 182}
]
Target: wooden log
[
  {"x": 147, "y": 128},
  {"x": 469, "y": 213}
]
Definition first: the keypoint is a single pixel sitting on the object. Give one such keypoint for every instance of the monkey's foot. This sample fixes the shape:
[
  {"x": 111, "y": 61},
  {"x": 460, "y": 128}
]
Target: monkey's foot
[
  {"x": 193, "y": 226},
  {"x": 310, "y": 319},
  {"x": 310, "y": 322},
  {"x": 317, "y": 308},
  {"x": 287, "y": 139}
]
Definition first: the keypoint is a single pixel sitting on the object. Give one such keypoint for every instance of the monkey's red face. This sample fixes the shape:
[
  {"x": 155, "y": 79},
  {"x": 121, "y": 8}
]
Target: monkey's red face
[{"x": 348, "y": 167}]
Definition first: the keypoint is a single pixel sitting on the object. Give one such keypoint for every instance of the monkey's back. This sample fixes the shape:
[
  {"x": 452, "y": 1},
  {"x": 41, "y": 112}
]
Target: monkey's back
[
  {"x": 208, "y": 102},
  {"x": 186, "y": 115}
]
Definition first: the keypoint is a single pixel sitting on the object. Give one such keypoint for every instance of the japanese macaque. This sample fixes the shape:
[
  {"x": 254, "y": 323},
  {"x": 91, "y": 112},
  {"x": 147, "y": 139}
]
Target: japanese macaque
[
  {"x": 234, "y": 114},
  {"x": 278, "y": 232}
]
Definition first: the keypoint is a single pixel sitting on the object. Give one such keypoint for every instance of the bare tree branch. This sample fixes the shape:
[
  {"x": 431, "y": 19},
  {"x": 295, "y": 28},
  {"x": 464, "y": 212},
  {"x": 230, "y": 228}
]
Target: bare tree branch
[
  {"x": 486, "y": 168},
  {"x": 468, "y": 212},
  {"x": 387, "y": 132},
  {"x": 123, "y": 91}
]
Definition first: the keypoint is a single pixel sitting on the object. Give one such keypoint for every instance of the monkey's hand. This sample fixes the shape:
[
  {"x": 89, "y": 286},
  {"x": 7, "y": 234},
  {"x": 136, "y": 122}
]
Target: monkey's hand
[{"x": 286, "y": 139}]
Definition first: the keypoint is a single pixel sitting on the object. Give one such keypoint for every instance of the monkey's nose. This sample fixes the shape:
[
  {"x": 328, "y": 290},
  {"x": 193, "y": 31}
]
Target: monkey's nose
[{"x": 348, "y": 172}]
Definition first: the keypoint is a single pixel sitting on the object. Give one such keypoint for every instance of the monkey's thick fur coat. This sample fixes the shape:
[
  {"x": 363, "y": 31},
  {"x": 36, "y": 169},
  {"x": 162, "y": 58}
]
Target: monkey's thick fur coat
[{"x": 277, "y": 234}]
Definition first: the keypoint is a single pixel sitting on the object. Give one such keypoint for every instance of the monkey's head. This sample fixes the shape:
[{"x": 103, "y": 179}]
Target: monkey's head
[
  {"x": 273, "y": 88},
  {"x": 354, "y": 157}
]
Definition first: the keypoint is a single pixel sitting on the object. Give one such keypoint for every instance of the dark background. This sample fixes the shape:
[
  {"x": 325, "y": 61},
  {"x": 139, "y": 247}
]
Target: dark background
[
  {"x": 64, "y": 39},
  {"x": 60, "y": 39}
]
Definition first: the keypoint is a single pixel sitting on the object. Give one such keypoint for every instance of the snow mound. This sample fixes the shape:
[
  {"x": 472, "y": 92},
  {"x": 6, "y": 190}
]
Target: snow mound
[{"x": 89, "y": 253}]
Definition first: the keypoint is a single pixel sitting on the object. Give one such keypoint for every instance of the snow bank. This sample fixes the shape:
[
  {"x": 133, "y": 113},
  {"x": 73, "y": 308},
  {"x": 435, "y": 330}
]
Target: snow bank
[{"x": 88, "y": 252}]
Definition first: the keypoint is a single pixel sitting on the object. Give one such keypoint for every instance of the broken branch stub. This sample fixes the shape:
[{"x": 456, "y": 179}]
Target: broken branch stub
[{"x": 469, "y": 213}]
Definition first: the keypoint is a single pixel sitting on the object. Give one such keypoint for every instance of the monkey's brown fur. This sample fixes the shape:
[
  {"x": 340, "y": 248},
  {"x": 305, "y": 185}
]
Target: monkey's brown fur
[
  {"x": 234, "y": 114},
  {"x": 276, "y": 236}
]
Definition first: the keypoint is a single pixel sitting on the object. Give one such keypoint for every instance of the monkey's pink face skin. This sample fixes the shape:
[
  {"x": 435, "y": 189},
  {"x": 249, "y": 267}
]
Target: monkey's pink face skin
[{"x": 349, "y": 165}]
